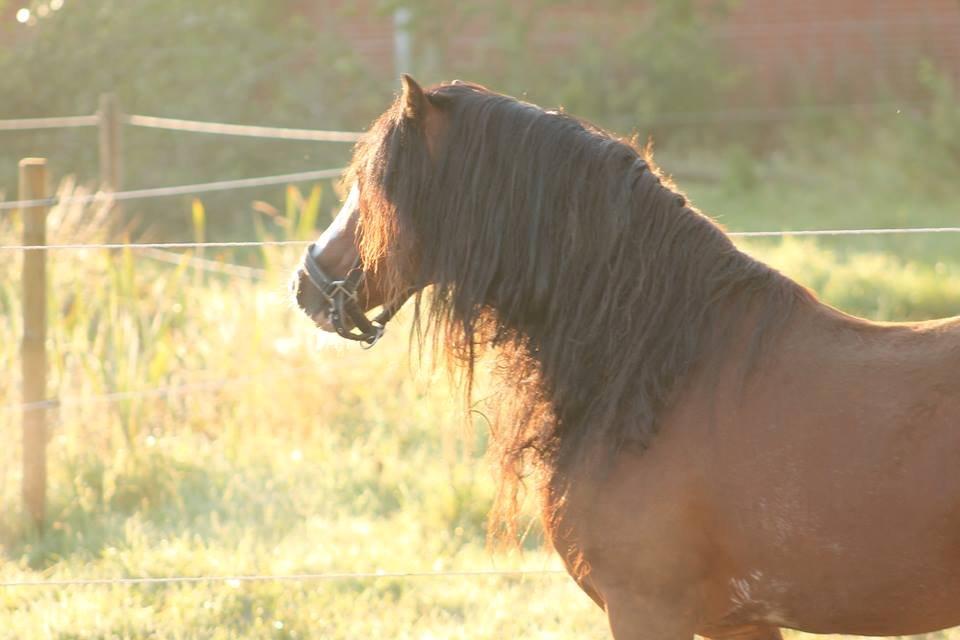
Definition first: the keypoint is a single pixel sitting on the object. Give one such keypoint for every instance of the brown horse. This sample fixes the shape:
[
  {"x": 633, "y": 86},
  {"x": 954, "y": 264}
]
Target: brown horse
[{"x": 718, "y": 452}]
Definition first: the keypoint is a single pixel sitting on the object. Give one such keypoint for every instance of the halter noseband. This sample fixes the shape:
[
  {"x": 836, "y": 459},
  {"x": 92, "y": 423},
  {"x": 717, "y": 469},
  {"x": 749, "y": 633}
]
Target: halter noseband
[{"x": 341, "y": 296}]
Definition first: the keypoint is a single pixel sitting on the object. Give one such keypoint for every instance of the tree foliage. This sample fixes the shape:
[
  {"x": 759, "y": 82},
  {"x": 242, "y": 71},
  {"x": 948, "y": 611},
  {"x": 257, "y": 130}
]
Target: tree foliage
[{"x": 252, "y": 62}]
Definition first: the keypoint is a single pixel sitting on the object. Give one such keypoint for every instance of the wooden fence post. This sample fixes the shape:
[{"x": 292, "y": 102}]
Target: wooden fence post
[
  {"x": 111, "y": 151},
  {"x": 34, "y": 185}
]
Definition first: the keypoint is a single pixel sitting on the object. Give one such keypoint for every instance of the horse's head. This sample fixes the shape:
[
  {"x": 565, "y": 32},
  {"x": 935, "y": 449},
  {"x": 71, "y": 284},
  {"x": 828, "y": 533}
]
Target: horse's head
[
  {"x": 475, "y": 193},
  {"x": 364, "y": 259},
  {"x": 331, "y": 286}
]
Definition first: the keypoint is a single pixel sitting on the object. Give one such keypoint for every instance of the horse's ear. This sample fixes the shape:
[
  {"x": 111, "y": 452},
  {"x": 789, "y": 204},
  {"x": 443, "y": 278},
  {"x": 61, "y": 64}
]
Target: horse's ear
[{"x": 413, "y": 99}]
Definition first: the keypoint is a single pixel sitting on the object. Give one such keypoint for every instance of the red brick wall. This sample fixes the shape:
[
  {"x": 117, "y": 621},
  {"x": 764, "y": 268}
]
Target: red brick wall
[
  {"x": 835, "y": 49},
  {"x": 845, "y": 46},
  {"x": 368, "y": 31}
]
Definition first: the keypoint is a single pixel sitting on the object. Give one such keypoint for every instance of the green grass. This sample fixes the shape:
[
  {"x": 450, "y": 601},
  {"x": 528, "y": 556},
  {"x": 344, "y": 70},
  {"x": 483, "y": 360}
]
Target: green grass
[{"x": 326, "y": 459}]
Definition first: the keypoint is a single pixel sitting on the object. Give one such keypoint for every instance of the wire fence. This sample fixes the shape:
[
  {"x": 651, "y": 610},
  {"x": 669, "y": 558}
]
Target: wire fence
[
  {"x": 113, "y": 246},
  {"x": 843, "y": 232},
  {"x": 236, "y": 580},
  {"x": 220, "y": 128},
  {"x": 191, "y": 126},
  {"x": 66, "y": 122},
  {"x": 178, "y": 190}
]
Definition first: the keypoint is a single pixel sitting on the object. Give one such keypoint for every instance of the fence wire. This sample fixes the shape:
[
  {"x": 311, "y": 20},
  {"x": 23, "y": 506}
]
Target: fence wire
[
  {"x": 252, "y": 131},
  {"x": 291, "y": 577},
  {"x": 843, "y": 232},
  {"x": 179, "y": 190},
  {"x": 66, "y": 122},
  {"x": 267, "y": 243},
  {"x": 112, "y": 246}
]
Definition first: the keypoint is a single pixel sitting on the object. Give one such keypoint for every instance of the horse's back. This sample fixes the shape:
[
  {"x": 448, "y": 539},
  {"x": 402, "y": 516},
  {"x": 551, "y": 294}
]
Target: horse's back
[{"x": 821, "y": 493}]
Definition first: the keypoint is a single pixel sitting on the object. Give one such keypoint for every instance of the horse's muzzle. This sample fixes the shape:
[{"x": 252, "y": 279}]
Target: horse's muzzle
[{"x": 310, "y": 301}]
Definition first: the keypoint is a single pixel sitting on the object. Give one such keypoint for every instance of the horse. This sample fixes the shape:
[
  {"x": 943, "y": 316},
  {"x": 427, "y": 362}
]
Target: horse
[{"x": 716, "y": 451}]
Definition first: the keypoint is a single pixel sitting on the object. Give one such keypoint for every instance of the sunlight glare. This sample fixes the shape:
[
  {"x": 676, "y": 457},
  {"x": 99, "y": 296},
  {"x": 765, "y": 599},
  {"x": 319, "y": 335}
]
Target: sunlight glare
[{"x": 23, "y": 15}]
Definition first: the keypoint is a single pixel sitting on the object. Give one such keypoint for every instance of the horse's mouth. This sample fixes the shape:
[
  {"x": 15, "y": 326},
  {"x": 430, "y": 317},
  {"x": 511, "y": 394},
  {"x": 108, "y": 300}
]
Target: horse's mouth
[
  {"x": 310, "y": 302},
  {"x": 323, "y": 322}
]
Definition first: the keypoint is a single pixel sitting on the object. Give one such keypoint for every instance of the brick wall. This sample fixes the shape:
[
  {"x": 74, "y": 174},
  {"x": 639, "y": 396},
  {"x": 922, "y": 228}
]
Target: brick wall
[
  {"x": 843, "y": 46},
  {"x": 841, "y": 49}
]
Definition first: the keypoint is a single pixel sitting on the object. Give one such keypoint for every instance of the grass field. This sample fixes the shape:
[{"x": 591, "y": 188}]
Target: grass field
[{"x": 331, "y": 459}]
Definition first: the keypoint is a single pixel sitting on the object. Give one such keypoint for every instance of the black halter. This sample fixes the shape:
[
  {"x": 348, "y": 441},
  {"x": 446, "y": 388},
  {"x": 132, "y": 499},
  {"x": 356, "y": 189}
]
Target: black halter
[{"x": 341, "y": 296}]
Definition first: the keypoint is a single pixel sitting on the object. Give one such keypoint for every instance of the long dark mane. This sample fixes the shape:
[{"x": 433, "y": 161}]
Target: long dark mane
[{"x": 561, "y": 245}]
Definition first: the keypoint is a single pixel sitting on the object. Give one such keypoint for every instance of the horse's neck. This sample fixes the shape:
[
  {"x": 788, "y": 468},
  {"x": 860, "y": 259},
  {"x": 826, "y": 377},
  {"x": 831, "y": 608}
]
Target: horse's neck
[{"x": 658, "y": 342}]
